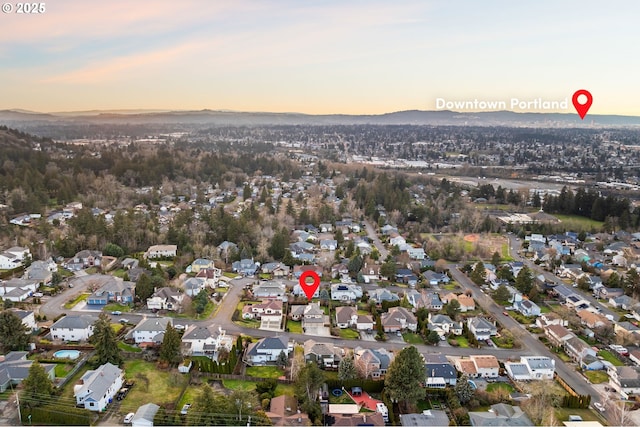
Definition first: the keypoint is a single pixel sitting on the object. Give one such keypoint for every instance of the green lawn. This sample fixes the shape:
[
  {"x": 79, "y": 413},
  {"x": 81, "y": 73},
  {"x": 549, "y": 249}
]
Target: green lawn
[
  {"x": 544, "y": 309},
  {"x": 117, "y": 307},
  {"x": 506, "y": 255},
  {"x": 609, "y": 357},
  {"x": 120, "y": 272},
  {"x": 62, "y": 369},
  {"x": 562, "y": 414},
  {"x": 462, "y": 341},
  {"x": 412, "y": 338},
  {"x": 597, "y": 377},
  {"x": 264, "y": 371},
  {"x": 130, "y": 348},
  {"x": 294, "y": 326},
  {"x": 240, "y": 385},
  {"x": 452, "y": 286},
  {"x": 72, "y": 303},
  {"x": 230, "y": 275},
  {"x": 288, "y": 389},
  {"x": 189, "y": 395},
  {"x": 116, "y": 327},
  {"x": 497, "y": 386},
  {"x": 248, "y": 323},
  {"x": 349, "y": 334},
  {"x": 163, "y": 386},
  {"x": 579, "y": 223}
]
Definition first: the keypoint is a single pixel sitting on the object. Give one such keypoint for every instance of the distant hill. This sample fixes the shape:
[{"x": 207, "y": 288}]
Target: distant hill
[
  {"x": 411, "y": 117},
  {"x": 13, "y": 139}
]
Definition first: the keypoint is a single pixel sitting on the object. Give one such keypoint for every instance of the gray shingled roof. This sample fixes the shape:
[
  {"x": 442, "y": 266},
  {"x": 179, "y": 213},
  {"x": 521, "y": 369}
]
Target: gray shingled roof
[
  {"x": 75, "y": 322},
  {"x": 97, "y": 382}
]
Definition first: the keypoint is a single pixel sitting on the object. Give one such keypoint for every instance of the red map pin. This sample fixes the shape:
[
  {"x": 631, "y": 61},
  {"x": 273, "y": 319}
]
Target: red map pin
[
  {"x": 309, "y": 288},
  {"x": 582, "y": 109}
]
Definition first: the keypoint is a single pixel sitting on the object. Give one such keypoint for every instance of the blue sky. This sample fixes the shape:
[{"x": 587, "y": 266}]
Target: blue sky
[{"x": 353, "y": 57}]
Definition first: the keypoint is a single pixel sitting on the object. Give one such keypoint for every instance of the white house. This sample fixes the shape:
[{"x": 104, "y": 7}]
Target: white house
[
  {"x": 346, "y": 317},
  {"x": 73, "y": 328},
  {"x": 481, "y": 328},
  {"x": 98, "y": 387},
  {"x": 345, "y": 292},
  {"x": 28, "y": 319},
  {"x": 266, "y": 350},
  {"x": 161, "y": 251},
  {"x": 200, "y": 340},
  {"x": 165, "y": 299},
  {"x": 487, "y": 366},
  {"x": 150, "y": 330}
]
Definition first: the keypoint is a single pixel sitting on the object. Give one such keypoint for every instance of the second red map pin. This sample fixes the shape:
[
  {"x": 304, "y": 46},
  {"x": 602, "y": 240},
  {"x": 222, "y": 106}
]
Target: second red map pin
[
  {"x": 582, "y": 107},
  {"x": 309, "y": 288}
]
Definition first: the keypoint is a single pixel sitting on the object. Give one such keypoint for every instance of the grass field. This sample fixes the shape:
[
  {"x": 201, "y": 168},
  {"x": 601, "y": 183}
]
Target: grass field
[
  {"x": 562, "y": 414},
  {"x": 117, "y": 307},
  {"x": 294, "y": 326},
  {"x": 579, "y": 223},
  {"x": 130, "y": 348},
  {"x": 264, "y": 371},
  {"x": 240, "y": 385},
  {"x": 349, "y": 334},
  {"x": 411, "y": 338},
  {"x": 504, "y": 386},
  {"x": 72, "y": 303},
  {"x": 609, "y": 357},
  {"x": 62, "y": 369},
  {"x": 597, "y": 377},
  {"x": 462, "y": 341},
  {"x": 163, "y": 386},
  {"x": 189, "y": 395},
  {"x": 116, "y": 327}
]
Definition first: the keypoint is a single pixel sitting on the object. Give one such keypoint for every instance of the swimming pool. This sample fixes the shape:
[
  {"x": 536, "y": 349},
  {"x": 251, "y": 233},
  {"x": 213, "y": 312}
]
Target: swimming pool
[{"x": 67, "y": 354}]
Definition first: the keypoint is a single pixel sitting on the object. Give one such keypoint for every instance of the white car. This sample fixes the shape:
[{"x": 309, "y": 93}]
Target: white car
[
  {"x": 599, "y": 406},
  {"x": 129, "y": 417}
]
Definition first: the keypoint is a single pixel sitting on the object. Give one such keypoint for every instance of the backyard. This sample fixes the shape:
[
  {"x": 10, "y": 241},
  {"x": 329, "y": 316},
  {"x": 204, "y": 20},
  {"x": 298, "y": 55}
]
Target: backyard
[
  {"x": 597, "y": 377},
  {"x": 610, "y": 357},
  {"x": 152, "y": 385},
  {"x": 264, "y": 371}
]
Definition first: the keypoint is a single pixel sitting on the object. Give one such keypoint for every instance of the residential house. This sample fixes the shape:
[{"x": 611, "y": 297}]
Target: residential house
[
  {"x": 161, "y": 251},
  {"x": 313, "y": 319},
  {"x": 416, "y": 253},
  {"x": 150, "y": 331},
  {"x": 245, "y": 267},
  {"x": 557, "y": 334},
  {"x": 372, "y": 363},
  {"x": 466, "y": 302},
  {"x": 486, "y": 365},
  {"x": 328, "y": 245},
  {"x": 466, "y": 367},
  {"x": 592, "y": 320},
  {"x": 326, "y": 228},
  {"x": 531, "y": 368},
  {"x": 625, "y": 379},
  {"x": 98, "y": 387},
  {"x": 327, "y": 356},
  {"x": 14, "y": 368},
  {"x": 370, "y": 272},
  {"x": 145, "y": 415},
  {"x": 345, "y": 292},
  {"x": 283, "y": 411},
  {"x": 500, "y": 414},
  {"x": 624, "y": 302},
  {"x": 165, "y": 299},
  {"x": 266, "y": 350},
  {"x": 428, "y": 417},
  {"x": 276, "y": 269},
  {"x": 346, "y": 317},
  {"x": 365, "y": 322},
  {"x": 398, "y": 319},
  {"x": 299, "y": 269},
  {"x": 396, "y": 239},
  {"x": 28, "y": 319},
  {"x": 112, "y": 289},
  {"x": 200, "y": 264},
  {"x": 439, "y": 374},
  {"x": 18, "y": 290},
  {"x": 269, "y": 289},
  {"x": 578, "y": 349},
  {"x": 527, "y": 307},
  {"x": 268, "y": 307},
  {"x": 548, "y": 319},
  {"x": 435, "y": 279},
  {"x": 73, "y": 327},
  {"x": 443, "y": 325},
  {"x": 205, "y": 340},
  {"x": 226, "y": 249},
  {"x": 607, "y": 293},
  {"x": 212, "y": 277},
  {"x": 481, "y": 328},
  {"x": 628, "y": 331},
  {"x": 41, "y": 272},
  {"x": 193, "y": 285},
  {"x": 382, "y": 294},
  {"x": 299, "y": 292}
]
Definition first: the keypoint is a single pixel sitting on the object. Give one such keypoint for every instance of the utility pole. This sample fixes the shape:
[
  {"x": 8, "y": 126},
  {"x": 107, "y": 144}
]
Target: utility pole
[{"x": 17, "y": 403}]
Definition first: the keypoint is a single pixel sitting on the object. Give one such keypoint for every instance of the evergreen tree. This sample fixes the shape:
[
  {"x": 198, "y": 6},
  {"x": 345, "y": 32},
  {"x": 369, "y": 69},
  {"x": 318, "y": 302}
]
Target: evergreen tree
[
  {"x": 347, "y": 369},
  {"x": 170, "y": 349},
  {"x": 452, "y": 308},
  {"x": 37, "y": 387},
  {"x": 502, "y": 294},
  {"x": 478, "y": 275},
  {"x": 282, "y": 360},
  {"x": 524, "y": 281},
  {"x": 13, "y": 334},
  {"x": 433, "y": 338},
  {"x": 105, "y": 342},
  {"x": 144, "y": 288},
  {"x": 403, "y": 382},
  {"x": 463, "y": 390}
]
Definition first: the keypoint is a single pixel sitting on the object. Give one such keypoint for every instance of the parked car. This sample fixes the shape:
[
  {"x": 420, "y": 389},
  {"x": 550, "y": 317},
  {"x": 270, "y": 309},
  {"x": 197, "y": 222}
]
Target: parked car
[
  {"x": 599, "y": 406},
  {"x": 124, "y": 320},
  {"x": 116, "y": 313},
  {"x": 129, "y": 417}
]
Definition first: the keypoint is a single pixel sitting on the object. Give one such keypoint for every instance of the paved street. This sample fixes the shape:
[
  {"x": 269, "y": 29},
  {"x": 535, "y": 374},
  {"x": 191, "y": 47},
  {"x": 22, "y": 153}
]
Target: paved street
[{"x": 371, "y": 233}]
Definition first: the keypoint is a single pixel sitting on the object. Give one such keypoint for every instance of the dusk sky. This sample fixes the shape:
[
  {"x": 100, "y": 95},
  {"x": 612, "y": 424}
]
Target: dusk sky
[{"x": 352, "y": 57}]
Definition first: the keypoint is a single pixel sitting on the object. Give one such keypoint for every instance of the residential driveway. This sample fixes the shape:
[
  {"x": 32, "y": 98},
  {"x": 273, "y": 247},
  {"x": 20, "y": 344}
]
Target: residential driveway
[
  {"x": 395, "y": 338},
  {"x": 367, "y": 337}
]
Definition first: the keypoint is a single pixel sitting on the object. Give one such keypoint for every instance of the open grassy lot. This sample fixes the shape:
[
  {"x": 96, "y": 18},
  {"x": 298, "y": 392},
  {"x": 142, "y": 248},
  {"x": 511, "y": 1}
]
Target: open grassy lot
[
  {"x": 412, "y": 338},
  {"x": 152, "y": 385},
  {"x": 241, "y": 385},
  {"x": 597, "y": 377},
  {"x": 189, "y": 395},
  {"x": 609, "y": 357},
  {"x": 579, "y": 223},
  {"x": 562, "y": 414},
  {"x": 264, "y": 371},
  {"x": 349, "y": 334},
  {"x": 287, "y": 389},
  {"x": 497, "y": 386}
]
